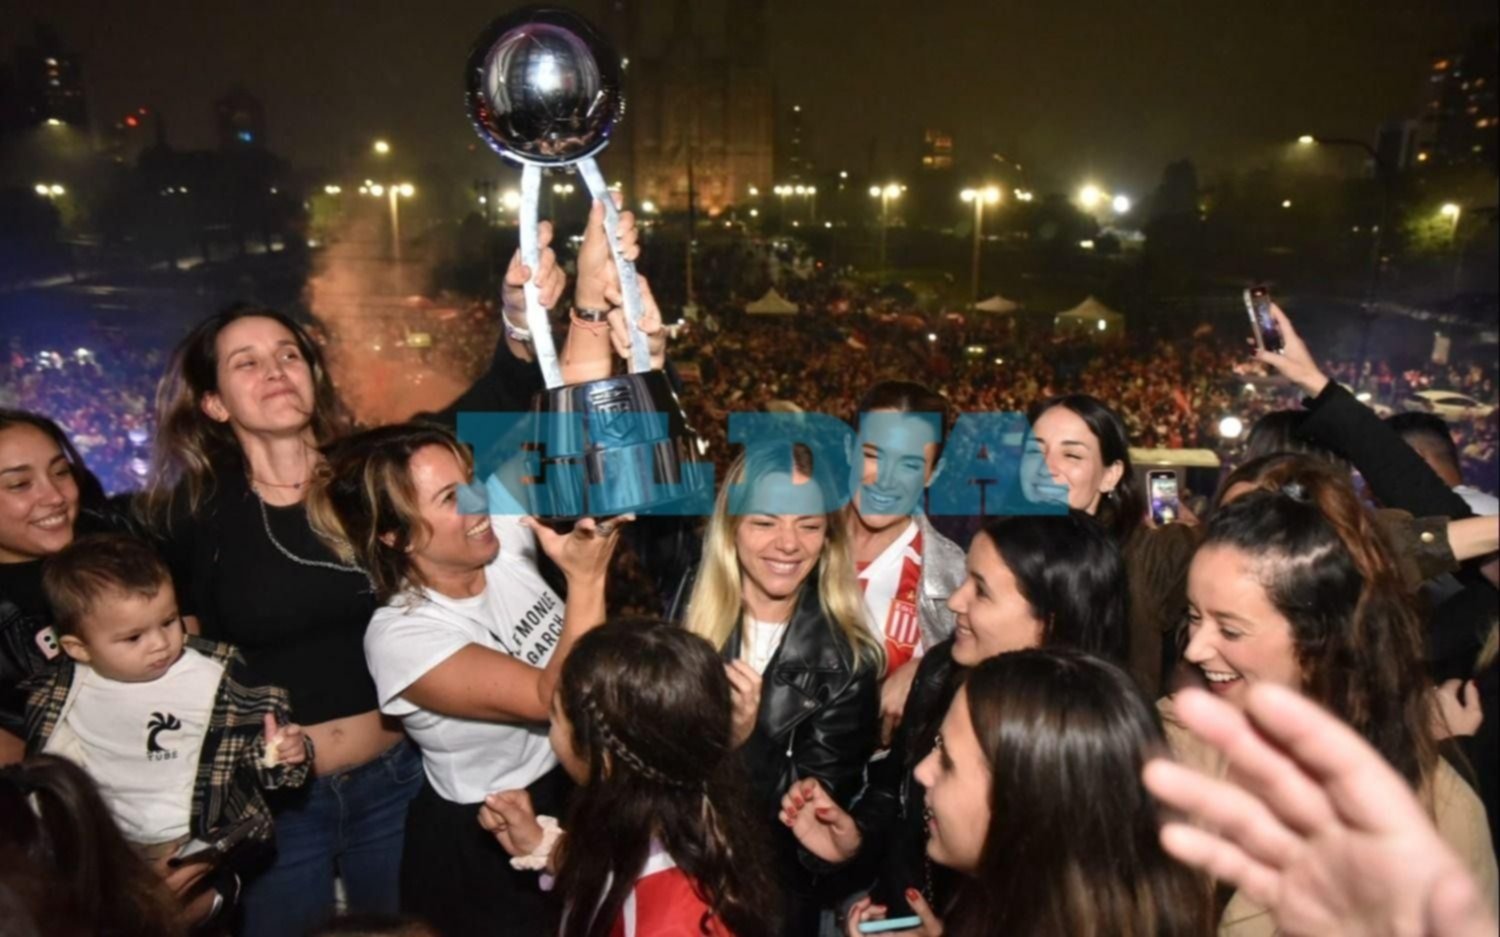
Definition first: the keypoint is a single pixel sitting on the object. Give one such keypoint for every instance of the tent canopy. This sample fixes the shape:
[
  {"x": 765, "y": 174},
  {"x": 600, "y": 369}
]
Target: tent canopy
[
  {"x": 1090, "y": 316},
  {"x": 997, "y": 303},
  {"x": 773, "y": 303}
]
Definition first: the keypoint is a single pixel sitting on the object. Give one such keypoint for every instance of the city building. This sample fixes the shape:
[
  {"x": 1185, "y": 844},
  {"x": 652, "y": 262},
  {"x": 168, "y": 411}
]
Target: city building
[
  {"x": 696, "y": 122},
  {"x": 240, "y": 120},
  {"x": 1460, "y": 122},
  {"x": 47, "y": 83},
  {"x": 937, "y": 151}
]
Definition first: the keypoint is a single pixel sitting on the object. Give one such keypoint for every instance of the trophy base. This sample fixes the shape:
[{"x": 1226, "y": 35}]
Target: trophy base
[{"x": 618, "y": 445}]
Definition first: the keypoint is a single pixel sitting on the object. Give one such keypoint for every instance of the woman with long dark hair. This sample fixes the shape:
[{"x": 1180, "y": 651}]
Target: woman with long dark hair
[
  {"x": 1035, "y": 799},
  {"x": 1078, "y": 452},
  {"x": 1032, "y": 581},
  {"x": 61, "y": 851},
  {"x": 1295, "y": 585},
  {"x": 47, "y": 495},
  {"x": 660, "y": 838},
  {"x": 244, "y": 412}
]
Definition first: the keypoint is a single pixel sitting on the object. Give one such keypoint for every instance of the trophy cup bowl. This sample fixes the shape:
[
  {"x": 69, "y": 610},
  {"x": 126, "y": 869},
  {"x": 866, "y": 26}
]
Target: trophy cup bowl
[
  {"x": 543, "y": 89},
  {"x": 543, "y": 86}
]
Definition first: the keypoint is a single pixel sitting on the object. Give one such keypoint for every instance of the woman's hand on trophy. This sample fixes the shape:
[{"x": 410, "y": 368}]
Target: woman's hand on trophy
[
  {"x": 651, "y": 325},
  {"x": 583, "y": 554},
  {"x": 596, "y": 265},
  {"x": 549, "y": 278}
]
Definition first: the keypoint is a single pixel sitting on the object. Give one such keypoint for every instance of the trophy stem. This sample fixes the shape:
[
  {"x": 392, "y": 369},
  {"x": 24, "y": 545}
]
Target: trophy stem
[
  {"x": 537, "y": 320},
  {"x": 630, "y": 287}
]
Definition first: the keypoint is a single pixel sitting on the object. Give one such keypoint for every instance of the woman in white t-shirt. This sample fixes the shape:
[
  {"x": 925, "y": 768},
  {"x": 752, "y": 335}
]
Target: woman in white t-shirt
[{"x": 466, "y": 651}]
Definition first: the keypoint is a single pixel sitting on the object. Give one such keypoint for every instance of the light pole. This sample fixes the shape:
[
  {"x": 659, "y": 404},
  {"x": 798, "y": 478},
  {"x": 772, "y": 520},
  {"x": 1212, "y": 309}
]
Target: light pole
[
  {"x": 989, "y": 195},
  {"x": 1453, "y": 212},
  {"x": 887, "y": 193},
  {"x": 394, "y": 193},
  {"x": 1383, "y": 178}
]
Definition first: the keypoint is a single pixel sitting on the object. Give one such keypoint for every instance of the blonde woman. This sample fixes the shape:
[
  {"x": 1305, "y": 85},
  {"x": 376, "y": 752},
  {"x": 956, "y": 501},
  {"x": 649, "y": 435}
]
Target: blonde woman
[{"x": 776, "y": 594}]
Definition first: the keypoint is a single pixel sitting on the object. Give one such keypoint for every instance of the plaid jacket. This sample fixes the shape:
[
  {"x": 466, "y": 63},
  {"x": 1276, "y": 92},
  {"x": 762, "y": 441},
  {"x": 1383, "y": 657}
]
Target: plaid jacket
[{"x": 230, "y": 775}]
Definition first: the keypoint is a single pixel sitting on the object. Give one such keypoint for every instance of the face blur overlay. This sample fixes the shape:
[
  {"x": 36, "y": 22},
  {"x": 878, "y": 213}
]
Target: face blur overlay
[
  {"x": 993, "y": 617},
  {"x": 958, "y": 781},
  {"x": 560, "y": 734},
  {"x": 38, "y": 495},
  {"x": 129, "y": 637},
  {"x": 265, "y": 382},
  {"x": 777, "y": 552},
  {"x": 1236, "y": 637},
  {"x": 896, "y": 459},
  {"x": 454, "y": 543},
  {"x": 1062, "y": 460}
]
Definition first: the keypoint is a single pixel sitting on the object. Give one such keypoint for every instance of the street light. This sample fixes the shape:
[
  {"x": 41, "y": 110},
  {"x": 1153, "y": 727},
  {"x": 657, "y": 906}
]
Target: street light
[
  {"x": 1384, "y": 177},
  {"x": 1453, "y": 212},
  {"x": 1090, "y": 196},
  {"x": 1120, "y": 203},
  {"x": 382, "y": 148},
  {"x": 989, "y": 195},
  {"x": 886, "y": 195},
  {"x": 398, "y": 191}
]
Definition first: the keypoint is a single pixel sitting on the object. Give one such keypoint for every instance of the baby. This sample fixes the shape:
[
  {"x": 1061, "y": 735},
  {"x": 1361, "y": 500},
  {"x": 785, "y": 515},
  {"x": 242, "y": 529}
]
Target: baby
[{"x": 178, "y": 738}]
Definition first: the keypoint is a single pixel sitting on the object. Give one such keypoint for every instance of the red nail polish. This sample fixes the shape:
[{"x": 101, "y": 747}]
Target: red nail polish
[{"x": 912, "y": 894}]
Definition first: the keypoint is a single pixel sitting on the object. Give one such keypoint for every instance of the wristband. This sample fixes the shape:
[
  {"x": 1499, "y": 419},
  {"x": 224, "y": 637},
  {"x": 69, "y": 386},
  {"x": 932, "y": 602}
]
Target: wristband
[
  {"x": 591, "y": 315},
  {"x": 537, "y": 860},
  {"x": 592, "y": 326},
  {"x": 515, "y": 332}
]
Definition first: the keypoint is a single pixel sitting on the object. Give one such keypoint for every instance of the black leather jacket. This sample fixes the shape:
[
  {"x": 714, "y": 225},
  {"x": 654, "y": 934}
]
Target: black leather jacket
[
  {"x": 819, "y": 718},
  {"x": 890, "y": 812}
]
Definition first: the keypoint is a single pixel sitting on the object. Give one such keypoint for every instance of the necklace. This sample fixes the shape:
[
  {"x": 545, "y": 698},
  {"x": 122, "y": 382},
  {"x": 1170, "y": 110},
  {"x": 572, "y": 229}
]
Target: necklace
[
  {"x": 295, "y": 486},
  {"x": 265, "y": 518}
]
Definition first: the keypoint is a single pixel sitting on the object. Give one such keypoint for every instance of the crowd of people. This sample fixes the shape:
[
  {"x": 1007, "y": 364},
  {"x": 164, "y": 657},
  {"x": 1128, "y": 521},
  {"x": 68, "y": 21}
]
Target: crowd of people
[{"x": 312, "y": 681}]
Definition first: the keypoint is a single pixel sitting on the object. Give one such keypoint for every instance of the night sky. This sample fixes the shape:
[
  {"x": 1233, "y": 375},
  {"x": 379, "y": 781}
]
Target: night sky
[{"x": 1108, "y": 89}]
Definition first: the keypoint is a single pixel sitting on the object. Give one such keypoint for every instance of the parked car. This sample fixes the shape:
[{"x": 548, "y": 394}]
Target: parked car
[
  {"x": 1366, "y": 398},
  {"x": 1448, "y": 404}
]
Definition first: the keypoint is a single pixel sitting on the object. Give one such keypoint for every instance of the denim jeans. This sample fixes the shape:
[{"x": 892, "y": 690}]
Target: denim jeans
[{"x": 350, "y": 824}]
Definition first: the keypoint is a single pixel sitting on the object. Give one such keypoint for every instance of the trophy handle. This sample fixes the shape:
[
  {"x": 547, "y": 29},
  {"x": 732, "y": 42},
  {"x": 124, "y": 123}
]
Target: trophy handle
[
  {"x": 630, "y": 287},
  {"x": 537, "y": 321}
]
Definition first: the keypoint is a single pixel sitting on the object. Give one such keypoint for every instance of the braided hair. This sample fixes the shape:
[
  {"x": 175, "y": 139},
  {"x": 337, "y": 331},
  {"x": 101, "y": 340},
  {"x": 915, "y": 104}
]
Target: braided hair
[{"x": 649, "y": 706}]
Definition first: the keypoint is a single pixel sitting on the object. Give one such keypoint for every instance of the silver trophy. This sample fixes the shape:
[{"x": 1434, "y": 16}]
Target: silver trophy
[{"x": 544, "y": 90}]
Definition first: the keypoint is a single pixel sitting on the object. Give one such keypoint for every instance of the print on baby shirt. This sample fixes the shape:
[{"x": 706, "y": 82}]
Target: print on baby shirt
[{"x": 159, "y": 723}]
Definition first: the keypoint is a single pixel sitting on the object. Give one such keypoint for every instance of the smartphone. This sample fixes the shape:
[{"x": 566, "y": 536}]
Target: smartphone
[
  {"x": 895, "y": 923},
  {"x": 225, "y": 841},
  {"x": 1267, "y": 332},
  {"x": 1166, "y": 502}
]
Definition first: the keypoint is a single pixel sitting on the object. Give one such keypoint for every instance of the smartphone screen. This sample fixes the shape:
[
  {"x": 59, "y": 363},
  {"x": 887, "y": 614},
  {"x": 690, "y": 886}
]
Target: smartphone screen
[
  {"x": 1267, "y": 332},
  {"x": 1166, "y": 505}
]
